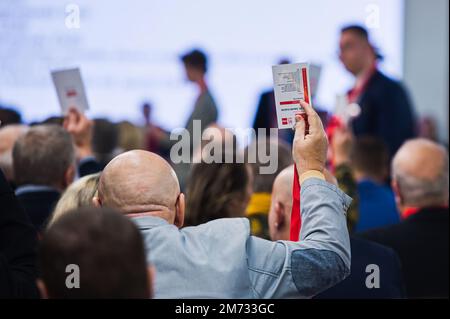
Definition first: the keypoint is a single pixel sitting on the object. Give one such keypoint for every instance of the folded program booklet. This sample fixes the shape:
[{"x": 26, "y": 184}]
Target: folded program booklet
[{"x": 291, "y": 85}]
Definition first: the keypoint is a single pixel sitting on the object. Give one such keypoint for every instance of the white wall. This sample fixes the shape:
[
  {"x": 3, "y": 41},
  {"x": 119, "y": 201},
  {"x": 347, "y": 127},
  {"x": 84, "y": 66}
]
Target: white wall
[{"x": 426, "y": 59}]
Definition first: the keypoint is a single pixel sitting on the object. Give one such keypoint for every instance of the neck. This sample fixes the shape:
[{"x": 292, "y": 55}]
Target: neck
[
  {"x": 202, "y": 84},
  {"x": 161, "y": 214},
  {"x": 366, "y": 70}
]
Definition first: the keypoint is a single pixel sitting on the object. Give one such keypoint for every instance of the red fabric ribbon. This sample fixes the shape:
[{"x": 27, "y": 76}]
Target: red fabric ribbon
[{"x": 296, "y": 221}]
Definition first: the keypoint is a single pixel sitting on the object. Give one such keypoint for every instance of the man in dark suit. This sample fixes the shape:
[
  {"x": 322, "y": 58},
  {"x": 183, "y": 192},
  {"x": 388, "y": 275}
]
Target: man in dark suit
[
  {"x": 44, "y": 162},
  {"x": 18, "y": 242},
  {"x": 44, "y": 165},
  {"x": 364, "y": 252},
  {"x": 421, "y": 184},
  {"x": 386, "y": 111}
]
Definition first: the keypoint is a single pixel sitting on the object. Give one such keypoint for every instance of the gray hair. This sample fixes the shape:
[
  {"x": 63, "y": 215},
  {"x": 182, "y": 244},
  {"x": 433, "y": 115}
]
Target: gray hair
[
  {"x": 420, "y": 191},
  {"x": 43, "y": 155}
]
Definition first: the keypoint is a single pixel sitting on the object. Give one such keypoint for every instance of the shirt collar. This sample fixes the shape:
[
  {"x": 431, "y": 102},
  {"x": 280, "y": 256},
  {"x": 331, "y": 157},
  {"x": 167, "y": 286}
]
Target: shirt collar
[
  {"x": 30, "y": 188},
  {"x": 148, "y": 222}
]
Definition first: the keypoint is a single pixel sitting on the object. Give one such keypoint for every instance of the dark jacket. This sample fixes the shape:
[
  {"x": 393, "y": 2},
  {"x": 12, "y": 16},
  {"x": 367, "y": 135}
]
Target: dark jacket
[
  {"x": 421, "y": 241},
  {"x": 365, "y": 253},
  {"x": 18, "y": 241},
  {"x": 38, "y": 204},
  {"x": 386, "y": 113}
]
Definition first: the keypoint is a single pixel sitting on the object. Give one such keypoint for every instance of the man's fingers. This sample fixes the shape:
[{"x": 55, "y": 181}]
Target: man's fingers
[
  {"x": 315, "y": 124},
  {"x": 300, "y": 126}
]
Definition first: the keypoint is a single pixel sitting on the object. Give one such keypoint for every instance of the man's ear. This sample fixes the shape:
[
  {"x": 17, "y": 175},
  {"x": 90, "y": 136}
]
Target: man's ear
[
  {"x": 279, "y": 215},
  {"x": 96, "y": 202},
  {"x": 398, "y": 194},
  {"x": 42, "y": 289},
  {"x": 179, "y": 211},
  {"x": 69, "y": 176}
]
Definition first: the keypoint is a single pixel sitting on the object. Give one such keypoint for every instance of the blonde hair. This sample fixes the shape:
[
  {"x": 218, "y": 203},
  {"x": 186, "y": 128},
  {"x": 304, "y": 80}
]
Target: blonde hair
[{"x": 79, "y": 194}]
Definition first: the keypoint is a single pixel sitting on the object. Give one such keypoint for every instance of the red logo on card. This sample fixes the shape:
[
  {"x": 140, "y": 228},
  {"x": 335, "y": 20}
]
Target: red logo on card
[{"x": 284, "y": 121}]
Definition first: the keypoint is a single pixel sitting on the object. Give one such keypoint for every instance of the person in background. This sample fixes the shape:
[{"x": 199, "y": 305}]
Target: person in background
[
  {"x": 196, "y": 65},
  {"x": 217, "y": 190},
  {"x": 131, "y": 137},
  {"x": 105, "y": 139},
  {"x": 18, "y": 242},
  {"x": 259, "y": 204},
  {"x": 386, "y": 110},
  {"x": 8, "y": 136},
  {"x": 340, "y": 147},
  {"x": 220, "y": 259},
  {"x": 81, "y": 131},
  {"x": 370, "y": 163},
  {"x": 79, "y": 194},
  {"x": 44, "y": 166},
  {"x": 106, "y": 251},
  {"x": 420, "y": 180},
  {"x": 363, "y": 252},
  {"x": 9, "y": 116}
]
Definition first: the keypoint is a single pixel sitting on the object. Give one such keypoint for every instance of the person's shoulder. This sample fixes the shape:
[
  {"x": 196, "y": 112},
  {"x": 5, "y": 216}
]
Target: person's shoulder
[
  {"x": 372, "y": 248},
  {"x": 386, "y": 81},
  {"x": 223, "y": 227},
  {"x": 385, "y": 235}
]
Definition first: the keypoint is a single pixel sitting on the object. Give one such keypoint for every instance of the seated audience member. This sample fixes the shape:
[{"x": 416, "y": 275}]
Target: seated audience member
[
  {"x": 18, "y": 242},
  {"x": 44, "y": 165},
  {"x": 105, "y": 140},
  {"x": 341, "y": 142},
  {"x": 370, "y": 162},
  {"x": 421, "y": 184},
  {"x": 131, "y": 137},
  {"x": 220, "y": 259},
  {"x": 259, "y": 205},
  {"x": 93, "y": 253},
  {"x": 8, "y": 136},
  {"x": 363, "y": 252},
  {"x": 217, "y": 190},
  {"x": 79, "y": 194}
]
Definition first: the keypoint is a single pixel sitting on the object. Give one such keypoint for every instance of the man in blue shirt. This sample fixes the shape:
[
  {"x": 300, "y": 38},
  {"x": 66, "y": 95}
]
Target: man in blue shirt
[{"x": 220, "y": 259}]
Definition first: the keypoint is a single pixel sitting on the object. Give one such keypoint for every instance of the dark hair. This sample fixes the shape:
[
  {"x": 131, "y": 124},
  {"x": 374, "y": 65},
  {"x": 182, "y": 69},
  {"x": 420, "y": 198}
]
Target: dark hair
[
  {"x": 108, "y": 250},
  {"x": 196, "y": 59},
  {"x": 362, "y": 32},
  {"x": 42, "y": 155},
  {"x": 216, "y": 190},
  {"x": 262, "y": 183},
  {"x": 9, "y": 116},
  {"x": 105, "y": 138},
  {"x": 357, "y": 29},
  {"x": 370, "y": 156}
]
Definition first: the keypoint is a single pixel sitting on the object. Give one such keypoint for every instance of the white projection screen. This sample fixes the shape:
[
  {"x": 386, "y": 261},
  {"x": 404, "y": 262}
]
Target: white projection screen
[{"x": 128, "y": 51}]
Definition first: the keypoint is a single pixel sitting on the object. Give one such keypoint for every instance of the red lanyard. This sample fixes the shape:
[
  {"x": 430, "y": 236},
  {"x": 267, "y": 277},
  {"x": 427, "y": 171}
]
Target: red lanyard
[{"x": 354, "y": 93}]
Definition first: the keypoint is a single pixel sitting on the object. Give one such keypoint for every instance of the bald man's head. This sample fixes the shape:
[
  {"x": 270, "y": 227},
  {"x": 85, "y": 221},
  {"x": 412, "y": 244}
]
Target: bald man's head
[
  {"x": 281, "y": 206},
  {"x": 420, "y": 174},
  {"x": 138, "y": 182}
]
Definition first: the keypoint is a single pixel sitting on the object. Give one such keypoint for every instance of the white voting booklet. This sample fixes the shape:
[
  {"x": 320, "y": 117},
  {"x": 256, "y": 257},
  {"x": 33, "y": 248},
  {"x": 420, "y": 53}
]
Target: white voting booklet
[
  {"x": 291, "y": 85},
  {"x": 70, "y": 89}
]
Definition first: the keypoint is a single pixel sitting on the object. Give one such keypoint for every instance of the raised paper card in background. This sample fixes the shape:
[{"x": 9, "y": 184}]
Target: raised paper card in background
[
  {"x": 291, "y": 85},
  {"x": 70, "y": 89}
]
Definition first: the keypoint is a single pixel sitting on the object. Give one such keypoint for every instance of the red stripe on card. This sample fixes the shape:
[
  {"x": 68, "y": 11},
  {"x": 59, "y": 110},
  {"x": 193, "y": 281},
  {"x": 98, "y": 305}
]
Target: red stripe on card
[
  {"x": 305, "y": 85},
  {"x": 289, "y": 102}
]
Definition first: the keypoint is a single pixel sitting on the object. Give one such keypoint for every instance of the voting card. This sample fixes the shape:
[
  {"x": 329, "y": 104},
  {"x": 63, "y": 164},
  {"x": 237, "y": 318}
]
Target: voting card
[
  {"x": 70, "y": 89},
  {"x": 291, "y": 85}
]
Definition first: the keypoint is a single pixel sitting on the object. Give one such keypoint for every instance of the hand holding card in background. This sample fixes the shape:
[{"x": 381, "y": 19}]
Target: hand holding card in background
[{"x": 80, "y": 127}]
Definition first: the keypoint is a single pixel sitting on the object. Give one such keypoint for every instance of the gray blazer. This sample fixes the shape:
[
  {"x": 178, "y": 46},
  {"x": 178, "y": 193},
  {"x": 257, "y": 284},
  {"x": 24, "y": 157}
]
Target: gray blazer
[{"x": 220, "y": 259}]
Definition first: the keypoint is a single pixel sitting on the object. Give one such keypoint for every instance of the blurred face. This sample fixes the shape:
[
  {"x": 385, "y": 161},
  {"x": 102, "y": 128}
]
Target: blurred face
[
  {"x": 354, "y": 52},
  {"x": 192, "y": 74}
]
